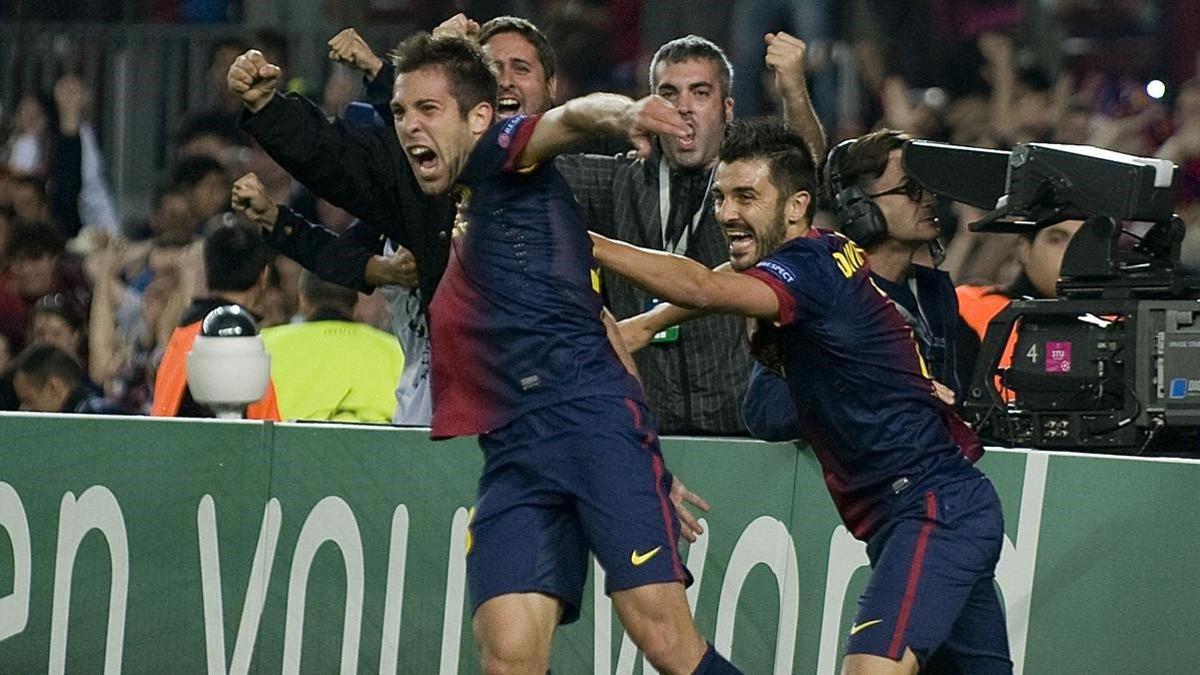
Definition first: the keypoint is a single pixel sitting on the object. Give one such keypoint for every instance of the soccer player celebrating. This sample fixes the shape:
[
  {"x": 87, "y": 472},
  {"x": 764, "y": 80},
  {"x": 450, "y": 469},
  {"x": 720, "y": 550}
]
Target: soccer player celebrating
[
  {"x": 520, "y": 358},
  {"x": 897, "y": 460}
]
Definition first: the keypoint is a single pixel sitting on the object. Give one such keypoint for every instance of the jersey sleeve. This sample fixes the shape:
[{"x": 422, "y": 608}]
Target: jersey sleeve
[
  {"x": 801, "y": 280},
  {"x": 498, "y": 150}
]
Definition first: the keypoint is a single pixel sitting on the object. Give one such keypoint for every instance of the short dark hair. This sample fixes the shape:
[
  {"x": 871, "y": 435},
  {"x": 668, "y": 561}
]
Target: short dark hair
[
  {"x": 29, "y": 241},
  {"x": 692, "y": 47},
  {"x": 189, "y": 171},
  {"x": 234, "y": 256},
  {"x": 768, "y": 138},
  {"x": 525, "y": 28},
  {"x": 40, "y": 362},
  {"x": 865, "y": 160},
  {"x": 324, "y": 294},
  {"x": 471, "y": 74},
  {"x": 62, "y": 306}
]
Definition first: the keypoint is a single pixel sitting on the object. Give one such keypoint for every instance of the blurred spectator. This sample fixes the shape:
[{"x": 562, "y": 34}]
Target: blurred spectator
[
  {"x": 27, "y": 150},
  {"x": 37, "y": 266},
  {"x": 29, "y": 202},
  {"x": 54, "y": 321},
  {"x": 810, "y": 20},
  {"x": 330, "y": 367},
  {"x": 204, "y": 183},
  {"x": 213, "y": 134},
  {"x": 141, "y": 290},
  {"x": 220, "y": 57},
  {"x": 1183, "y": 148},
  {"x": 47, "y": 379}
]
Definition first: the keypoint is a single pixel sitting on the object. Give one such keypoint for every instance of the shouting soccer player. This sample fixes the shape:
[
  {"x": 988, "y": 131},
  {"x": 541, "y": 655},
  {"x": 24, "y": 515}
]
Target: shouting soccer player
[
  {"x": 897, "y": 460},
  {"x": 521, "y": 359}
]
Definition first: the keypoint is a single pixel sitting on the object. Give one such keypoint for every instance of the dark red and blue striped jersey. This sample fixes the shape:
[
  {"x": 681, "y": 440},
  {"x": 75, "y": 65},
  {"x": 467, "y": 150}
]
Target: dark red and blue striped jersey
[
  {"x": 515, "y": 323},
  {"x": 862, "y": 392}
]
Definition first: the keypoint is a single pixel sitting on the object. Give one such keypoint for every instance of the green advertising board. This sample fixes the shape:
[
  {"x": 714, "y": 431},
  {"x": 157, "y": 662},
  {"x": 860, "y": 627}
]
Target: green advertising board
[{"x": 152, "y": 546}]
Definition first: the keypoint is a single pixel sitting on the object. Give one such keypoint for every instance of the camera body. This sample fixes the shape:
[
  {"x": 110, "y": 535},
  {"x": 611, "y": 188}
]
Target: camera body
[{"x": 1113, "y": 363}]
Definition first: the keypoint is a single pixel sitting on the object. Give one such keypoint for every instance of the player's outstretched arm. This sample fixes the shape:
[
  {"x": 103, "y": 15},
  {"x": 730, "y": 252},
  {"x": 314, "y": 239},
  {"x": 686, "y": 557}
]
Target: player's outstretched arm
[
  {"x": 602, "y": 115},
  {"x": 685, "y": 282},
  {"x": 637, "y": 331}
]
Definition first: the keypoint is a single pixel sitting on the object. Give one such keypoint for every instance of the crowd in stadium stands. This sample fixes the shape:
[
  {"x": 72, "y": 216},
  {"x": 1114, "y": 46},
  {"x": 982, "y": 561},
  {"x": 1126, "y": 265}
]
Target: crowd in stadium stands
[{"x": 89, "y": 304}]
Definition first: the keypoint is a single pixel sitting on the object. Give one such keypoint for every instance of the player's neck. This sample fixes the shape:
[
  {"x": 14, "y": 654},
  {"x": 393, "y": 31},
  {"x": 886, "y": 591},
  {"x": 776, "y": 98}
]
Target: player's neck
[{"x": 797, "y": 231}]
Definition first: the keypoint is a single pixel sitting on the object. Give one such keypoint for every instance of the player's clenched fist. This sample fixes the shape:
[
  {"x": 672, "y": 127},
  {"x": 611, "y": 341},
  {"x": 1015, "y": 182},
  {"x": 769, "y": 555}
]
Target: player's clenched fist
[
  {"x": 250, "y": 199},
  {"x": 350, "y": 48},
  {"x": 786, "y": 59},
  {"x": 457, "y": 26},
  {"x": 254, "y": 79}
]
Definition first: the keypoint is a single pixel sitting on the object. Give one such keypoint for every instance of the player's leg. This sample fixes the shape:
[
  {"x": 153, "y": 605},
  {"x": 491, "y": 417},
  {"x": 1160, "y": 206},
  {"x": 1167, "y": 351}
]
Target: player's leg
[
  {"x": 926, "y": 565},
  {"x": 659, "y": 622},
  {"x": 514, "y": 633},
  {"x": 526, "y": 555},
  {"x": 623, "y": 500},
  {"x": 978, "y": 642}
]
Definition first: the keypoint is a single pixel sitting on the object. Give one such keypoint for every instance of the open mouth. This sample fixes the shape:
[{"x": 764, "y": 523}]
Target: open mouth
[
  {"x": 425, "y": 160},
  {"x": 507, "y": 106},
  {"x": 741, "y": 241},
  {"x": 688, "y": 142}
]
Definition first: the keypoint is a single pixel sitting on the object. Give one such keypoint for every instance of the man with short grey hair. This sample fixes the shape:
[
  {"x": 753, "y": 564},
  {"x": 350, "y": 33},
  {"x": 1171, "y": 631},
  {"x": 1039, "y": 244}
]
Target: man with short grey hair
[{"x": 694, "y": 375}]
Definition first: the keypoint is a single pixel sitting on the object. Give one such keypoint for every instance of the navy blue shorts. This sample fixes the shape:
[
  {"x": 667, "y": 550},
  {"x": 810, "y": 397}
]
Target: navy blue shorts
[
  {"x": 558, "y": 481},
  {"x": 931, "y": 587}
]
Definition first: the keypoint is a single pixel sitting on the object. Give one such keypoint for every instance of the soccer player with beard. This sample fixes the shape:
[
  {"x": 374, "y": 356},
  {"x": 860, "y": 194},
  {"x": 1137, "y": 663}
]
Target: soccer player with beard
[
  {"x": 897, "y": 460},
  {"x": 521, "y": 359}
]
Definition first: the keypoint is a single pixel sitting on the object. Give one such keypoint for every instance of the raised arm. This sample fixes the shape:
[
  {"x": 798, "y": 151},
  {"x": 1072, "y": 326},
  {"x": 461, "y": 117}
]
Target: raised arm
[
  {"x": 357, "y": 169},
  {"x": 351, "y": 259},
  {"x": 786, "y": 59},
  {"x": 687, "y": 283},
  {"x": 602, "y": 115}
]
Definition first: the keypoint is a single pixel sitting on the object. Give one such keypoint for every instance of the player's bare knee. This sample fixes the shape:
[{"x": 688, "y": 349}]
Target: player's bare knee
[{"x": 511, "y": 657}]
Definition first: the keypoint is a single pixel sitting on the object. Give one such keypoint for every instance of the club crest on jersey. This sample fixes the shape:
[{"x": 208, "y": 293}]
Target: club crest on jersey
[{"x": 778, "y": 270}]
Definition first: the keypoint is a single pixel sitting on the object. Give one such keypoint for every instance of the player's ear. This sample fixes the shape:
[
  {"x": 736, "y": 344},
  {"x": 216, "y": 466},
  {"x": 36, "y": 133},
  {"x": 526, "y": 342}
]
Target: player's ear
[
  {"x": 480, "y": 117},
  {"x": 552, "y": 88},
  {"x": 795, "y": 209}
]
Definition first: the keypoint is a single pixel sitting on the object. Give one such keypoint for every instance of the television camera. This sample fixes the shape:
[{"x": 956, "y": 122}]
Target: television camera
[{"x": 1113, "y": 363}]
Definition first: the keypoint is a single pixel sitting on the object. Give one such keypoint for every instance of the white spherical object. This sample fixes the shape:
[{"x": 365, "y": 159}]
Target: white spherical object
[{"x": 228, "y": 373}]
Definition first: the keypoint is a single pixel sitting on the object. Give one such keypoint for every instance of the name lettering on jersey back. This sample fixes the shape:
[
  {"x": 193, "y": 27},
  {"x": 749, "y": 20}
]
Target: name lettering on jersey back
[{"x": 849, "y": 259}]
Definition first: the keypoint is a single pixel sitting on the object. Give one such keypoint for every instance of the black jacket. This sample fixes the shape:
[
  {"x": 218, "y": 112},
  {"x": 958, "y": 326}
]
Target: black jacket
[{"x": 364, "y": 171}]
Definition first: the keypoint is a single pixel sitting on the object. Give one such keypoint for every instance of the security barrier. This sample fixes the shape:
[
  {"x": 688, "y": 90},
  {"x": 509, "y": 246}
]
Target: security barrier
[{"x": 145, "y": 546}]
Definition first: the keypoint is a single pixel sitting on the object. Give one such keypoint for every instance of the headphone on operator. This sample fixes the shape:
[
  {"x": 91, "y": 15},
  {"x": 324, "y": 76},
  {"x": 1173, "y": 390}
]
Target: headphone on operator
[{"x": 858, "y": 216}]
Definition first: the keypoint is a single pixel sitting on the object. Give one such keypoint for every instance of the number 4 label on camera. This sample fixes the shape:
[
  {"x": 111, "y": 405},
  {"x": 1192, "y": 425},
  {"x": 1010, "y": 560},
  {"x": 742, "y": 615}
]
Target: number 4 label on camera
[{"x": 1058, "y": 356}]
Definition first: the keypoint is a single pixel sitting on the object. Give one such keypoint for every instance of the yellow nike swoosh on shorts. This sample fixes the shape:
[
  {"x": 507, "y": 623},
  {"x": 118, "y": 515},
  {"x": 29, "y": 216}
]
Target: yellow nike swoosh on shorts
[
  {"x": 864, "y": 625},
  {"x": 640, "y": 559}
]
